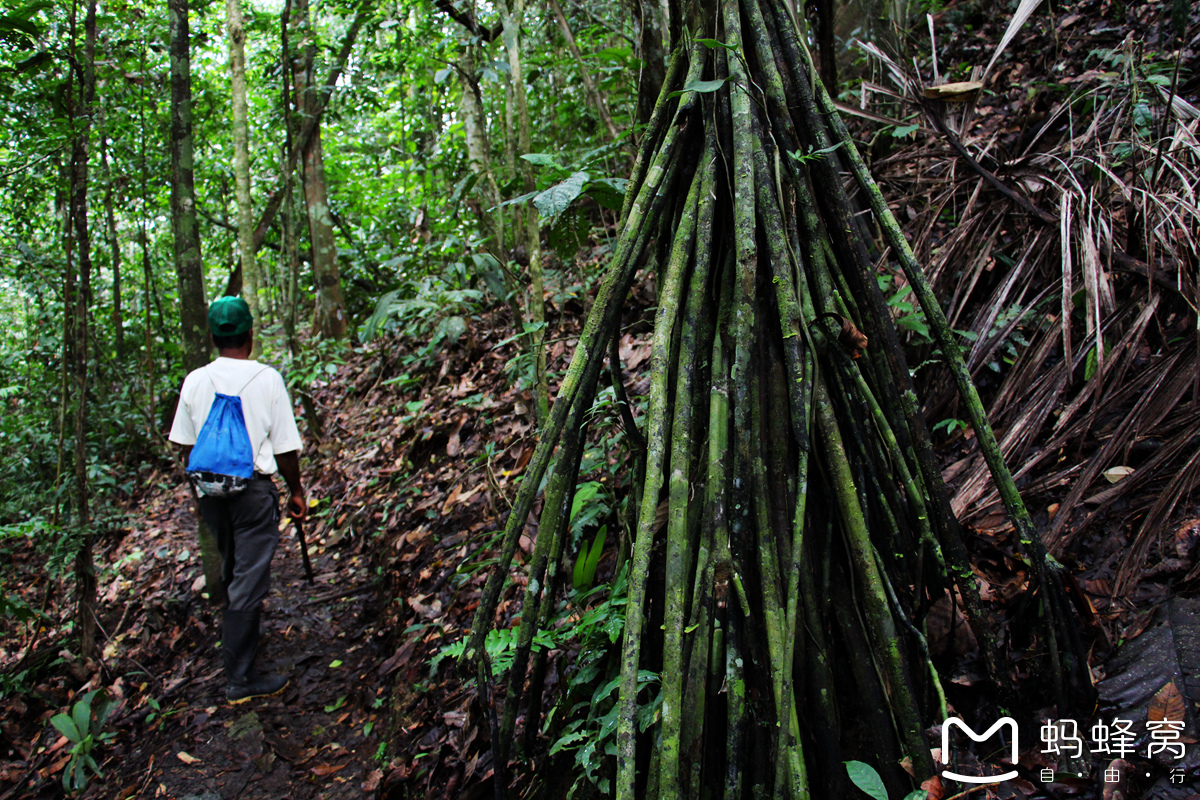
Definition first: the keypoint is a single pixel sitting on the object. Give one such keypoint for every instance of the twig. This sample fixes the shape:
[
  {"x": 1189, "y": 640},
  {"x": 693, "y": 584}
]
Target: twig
[
  {"x": 321, "y": 598},
  {"x": 972, "y": 789},
  {"x": 1000, "y": 186}
]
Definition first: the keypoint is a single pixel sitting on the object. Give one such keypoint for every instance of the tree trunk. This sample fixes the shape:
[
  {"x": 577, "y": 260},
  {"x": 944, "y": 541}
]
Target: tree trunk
[
  {"x": 824, "y": 14},
  {"x": 251, "y": 275},
  {"x": 85, "y": 571},
  {"x": 589, "y": 87},
  {"x": 511, "y": 14},
  {"x": 652, "y": 55},
  {"x": 479, "y": 148},
  {"x": 114, "y": 242},
  {"x": 144, "y": 242},
  {"x": 289, "y": 255},
  {"x": 806, "y": 523},
  {"x": 189, "y": 268},
  {"x": 329, "y": 319},
  {"x": 479, "y": 154}
]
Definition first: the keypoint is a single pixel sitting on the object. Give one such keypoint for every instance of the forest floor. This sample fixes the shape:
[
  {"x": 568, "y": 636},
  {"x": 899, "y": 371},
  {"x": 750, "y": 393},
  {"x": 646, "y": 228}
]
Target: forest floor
[
  {"x": 419, "y": 453},
  {"x": 175, "y": 734}
]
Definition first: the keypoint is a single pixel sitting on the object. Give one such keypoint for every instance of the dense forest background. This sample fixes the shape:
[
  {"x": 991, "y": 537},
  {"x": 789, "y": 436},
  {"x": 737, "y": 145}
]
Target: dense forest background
[{"x": 420, "y": 200}]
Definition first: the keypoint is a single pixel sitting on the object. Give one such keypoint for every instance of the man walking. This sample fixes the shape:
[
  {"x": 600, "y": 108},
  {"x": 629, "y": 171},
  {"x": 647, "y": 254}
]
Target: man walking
[{"x": 246, "y": 525}]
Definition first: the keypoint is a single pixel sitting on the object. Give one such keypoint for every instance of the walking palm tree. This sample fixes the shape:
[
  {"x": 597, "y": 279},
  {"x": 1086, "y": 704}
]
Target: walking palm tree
[{"x": 807, "y": 527}]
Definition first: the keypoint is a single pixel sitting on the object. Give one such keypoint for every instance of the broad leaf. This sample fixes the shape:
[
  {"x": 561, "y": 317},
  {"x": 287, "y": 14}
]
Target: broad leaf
[
  {"x": 559, "y": 197},
  {"x": 82, "y": 714},
  {"x": 700, "y": 87},
  {"x": 1138, "y": 676},
  {"x": 541, "y": 159},
  {"x": 66, "y": 726},
  {"x": 866, "y": 778},
  {"x": 463, "y": 189},
  {"x": 593, "y": 559}
]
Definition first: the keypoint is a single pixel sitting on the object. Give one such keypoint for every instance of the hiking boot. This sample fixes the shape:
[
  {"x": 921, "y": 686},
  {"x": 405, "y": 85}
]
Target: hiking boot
[
  {"x": 256, "y": 686},
  {"x": 239, "y": 641}
]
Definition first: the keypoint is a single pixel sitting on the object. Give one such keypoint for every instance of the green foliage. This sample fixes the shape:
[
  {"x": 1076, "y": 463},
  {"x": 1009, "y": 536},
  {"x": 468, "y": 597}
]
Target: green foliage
[
  {"x": 950, "y": 425},
  {"x": 906, "y": 312},
  {"x": 423, "y": 306},
  {"x": 588, "y": 560},
  {"x": 84, "y": 728},
  {"x": 500, "y": 646},
  {"x": 571, "y": 181},
  {"x": 813, "y": 155},
  {"x": 867, "y": 779},
  {"x": 584, "y": 720}
]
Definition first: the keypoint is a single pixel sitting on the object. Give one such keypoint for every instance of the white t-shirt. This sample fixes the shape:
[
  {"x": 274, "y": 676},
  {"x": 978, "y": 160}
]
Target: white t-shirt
[{"x": 265, "y": 406}]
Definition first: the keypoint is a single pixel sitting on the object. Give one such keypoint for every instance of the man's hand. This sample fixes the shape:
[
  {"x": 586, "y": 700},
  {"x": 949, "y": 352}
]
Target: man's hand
[
  {"x": 289, "y": 468},
  {"x": 297, "y": 507}
]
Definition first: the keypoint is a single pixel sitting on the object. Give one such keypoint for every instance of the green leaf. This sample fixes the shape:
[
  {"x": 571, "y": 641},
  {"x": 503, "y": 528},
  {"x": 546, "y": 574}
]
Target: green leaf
[
  {"x": 1092, "y": 364},
  {"x": 569, "y": 233},
  {"x": 335, "y": 663},
  {"x": 919, "y": 794},
  {"x": 559, "y": 197},
  {"x": 608, "y": 192},
  {"x": 905, "y": 130},
  {"x": 593, "y": 559},
  {"x": 568, "y": 740},
  {"x": 82, "y": 714},
  {"x": 66, "y": 727},
  {"x": 580, "y": 567},
  {"x": 463, "y": 189},
  {"x": 866, "y": 778},
  {"x": 714, "y": 43},
  {"x": 700, "y": 87},
  {"x": 541, "y": 159},
  {"x": 441, "y": 74}
]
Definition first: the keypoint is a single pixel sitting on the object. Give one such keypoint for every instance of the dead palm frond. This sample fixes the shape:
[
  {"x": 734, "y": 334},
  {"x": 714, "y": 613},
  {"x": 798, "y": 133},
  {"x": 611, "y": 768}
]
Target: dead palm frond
[{"x": 1073, "y": 266}]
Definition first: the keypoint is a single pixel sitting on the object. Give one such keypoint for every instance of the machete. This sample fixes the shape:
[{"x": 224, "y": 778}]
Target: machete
[{"x": 308, "y": 573}]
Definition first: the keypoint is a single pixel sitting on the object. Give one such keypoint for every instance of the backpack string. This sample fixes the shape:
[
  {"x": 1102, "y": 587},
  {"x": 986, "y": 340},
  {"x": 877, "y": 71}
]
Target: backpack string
[
  {"x": 247, "y": 383},
  {"x": 244, "y": 385}
]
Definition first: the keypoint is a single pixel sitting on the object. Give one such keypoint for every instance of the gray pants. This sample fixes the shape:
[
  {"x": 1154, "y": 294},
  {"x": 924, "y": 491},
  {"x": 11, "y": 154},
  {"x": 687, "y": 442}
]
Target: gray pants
[{"x": 246, "y": 528}]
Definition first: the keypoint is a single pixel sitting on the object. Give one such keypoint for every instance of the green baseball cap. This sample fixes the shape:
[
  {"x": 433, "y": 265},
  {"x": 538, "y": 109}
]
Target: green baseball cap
[{"x": 229, "y": 316}]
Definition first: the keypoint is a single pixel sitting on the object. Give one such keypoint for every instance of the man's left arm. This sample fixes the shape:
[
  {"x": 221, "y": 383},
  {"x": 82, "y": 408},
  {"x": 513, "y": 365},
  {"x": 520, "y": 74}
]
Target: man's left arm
[{"x": 289, "y": 468}]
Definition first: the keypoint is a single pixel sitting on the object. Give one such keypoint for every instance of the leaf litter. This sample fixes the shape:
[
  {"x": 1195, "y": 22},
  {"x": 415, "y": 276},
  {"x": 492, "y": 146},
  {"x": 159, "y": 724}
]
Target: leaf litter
[{"x": 1089, "y": 370}]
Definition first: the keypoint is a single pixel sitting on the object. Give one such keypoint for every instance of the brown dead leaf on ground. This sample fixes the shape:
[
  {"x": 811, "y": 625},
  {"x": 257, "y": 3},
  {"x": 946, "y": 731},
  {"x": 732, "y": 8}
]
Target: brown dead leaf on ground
[{"x": 1167, "y": 704}]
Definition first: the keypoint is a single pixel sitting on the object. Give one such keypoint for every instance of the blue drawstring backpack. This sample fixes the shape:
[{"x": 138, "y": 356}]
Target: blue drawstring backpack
[{"x": 222, "y": 462}]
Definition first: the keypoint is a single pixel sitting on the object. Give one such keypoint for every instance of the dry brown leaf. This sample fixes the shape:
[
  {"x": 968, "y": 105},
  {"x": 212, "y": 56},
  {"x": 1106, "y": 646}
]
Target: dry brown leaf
[
  {"x": 452, "y": 498},
  {"x": 947, "y": 633},
  {"x": 934, "y": 788},
  {"x": 522, "y": 460},
  {"x": 958, "y": 92},
  {"x": 1167, "y": 704},
  {"x": 322, "y": 770},
  {"x": 431, "y": 611},
  {"x": 454, "y": 444},
  {"x": 1114, "y": 474},
  {"x": 633, "y": 352},
  {"x": 372, "y": 782},
  {"x": 187, "y": 758}
]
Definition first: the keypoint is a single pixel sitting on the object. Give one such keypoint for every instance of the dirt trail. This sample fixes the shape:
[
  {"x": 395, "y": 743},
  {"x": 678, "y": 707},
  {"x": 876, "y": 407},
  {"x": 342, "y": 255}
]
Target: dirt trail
[{"x": 317, "y": 739}]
